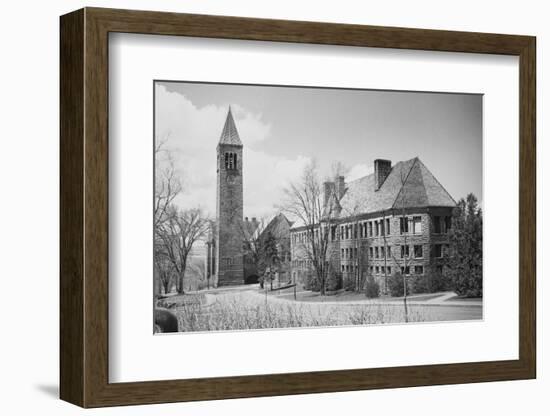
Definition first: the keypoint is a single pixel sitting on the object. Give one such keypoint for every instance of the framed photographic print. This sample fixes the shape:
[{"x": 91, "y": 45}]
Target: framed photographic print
[{"x": 291, "y": 207}]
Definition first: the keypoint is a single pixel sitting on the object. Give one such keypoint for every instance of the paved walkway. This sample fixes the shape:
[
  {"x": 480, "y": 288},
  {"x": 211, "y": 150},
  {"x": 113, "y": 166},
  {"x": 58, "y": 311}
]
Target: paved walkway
[{"x": 442, "y": 300}]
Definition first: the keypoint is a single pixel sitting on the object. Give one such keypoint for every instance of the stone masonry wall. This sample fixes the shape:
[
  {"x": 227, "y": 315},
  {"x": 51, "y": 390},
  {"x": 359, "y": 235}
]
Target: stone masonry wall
[
  {"x": 229, "y": 233},
  {"x": 357, "y": 256}
]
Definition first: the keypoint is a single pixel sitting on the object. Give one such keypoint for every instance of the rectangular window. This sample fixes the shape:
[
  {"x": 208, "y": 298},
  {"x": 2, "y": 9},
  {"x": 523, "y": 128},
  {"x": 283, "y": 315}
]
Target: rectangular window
[
  {"x": 343, "y": 254},
  {"x": 447, "y": 224},
  {"x": 417, "y": 225},
  {"x": 404, "y": 251},
  {"x": 371, "y": 269},
  {"x": 418, "y": 252},
  {"x": 382, "y": 252},
  {"x": 377, "y": 270},
  {"x": 371, "y": 252},
  {"x": 405, "y": 270},
  {"x": 376, "y": 252},
  {"x": 418, "y": 269},
  {"x": 370, "y": 228},
  {"x": 355, "y": 253},
  {"x": 437, "y": 224},
  {"x": 388, "y": 252},
  {"x": 387, "y": 226},
  {"x": 377, "y": 228},
  {"x": 438, "y": 251},
  {"x": 382, "y": 232},
  {"x": 403, "y": 225},
  {"x": 388, "y": 269}
]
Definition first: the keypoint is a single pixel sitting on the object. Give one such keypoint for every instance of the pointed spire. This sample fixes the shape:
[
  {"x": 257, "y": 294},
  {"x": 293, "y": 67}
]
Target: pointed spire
[{"x": 230, "y": 135}]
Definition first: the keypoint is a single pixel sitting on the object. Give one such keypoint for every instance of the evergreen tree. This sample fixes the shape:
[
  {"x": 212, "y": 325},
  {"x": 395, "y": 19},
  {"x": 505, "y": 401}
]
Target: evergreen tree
[
  {"x": 270, "y": 255},
  {"x": 465, "y": 254}
]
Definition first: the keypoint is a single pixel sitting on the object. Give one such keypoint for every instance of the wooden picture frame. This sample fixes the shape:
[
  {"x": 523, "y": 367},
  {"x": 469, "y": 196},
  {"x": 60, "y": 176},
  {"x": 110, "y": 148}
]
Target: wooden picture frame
[{"x": 84, "y": 207}]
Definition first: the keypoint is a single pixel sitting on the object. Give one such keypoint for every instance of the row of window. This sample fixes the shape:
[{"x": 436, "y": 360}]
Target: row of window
[
  {"x": 381, "y": 252},
  {"x": 381, "y": 270},
  {"x": 228, "y": 261},
  {"x": 304, "y": 236},
  {"x": 362, "y": 229},
  {"x": 302, "y": 264},
  {"x": 377, "y": 228}
]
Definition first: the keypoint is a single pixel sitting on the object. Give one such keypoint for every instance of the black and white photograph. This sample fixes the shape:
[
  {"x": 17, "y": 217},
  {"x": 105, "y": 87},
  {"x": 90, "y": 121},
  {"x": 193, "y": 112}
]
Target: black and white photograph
[{"x": 294, "y": 207}]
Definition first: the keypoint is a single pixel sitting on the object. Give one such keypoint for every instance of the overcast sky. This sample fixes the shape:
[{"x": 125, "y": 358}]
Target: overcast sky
[{"x": 282, "y": 128}]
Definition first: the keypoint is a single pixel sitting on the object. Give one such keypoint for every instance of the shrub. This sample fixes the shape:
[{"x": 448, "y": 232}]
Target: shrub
[
  {"x": 334, "y": 281},
  {"x": 349, "y": 284},
  {"x": 395, "y": 284},
  {"x": 470, "y": 286},
  {"x": 430, "y": 283},
  {"x": 312, "y": 283},
  {"x": 372, "y": 288}
]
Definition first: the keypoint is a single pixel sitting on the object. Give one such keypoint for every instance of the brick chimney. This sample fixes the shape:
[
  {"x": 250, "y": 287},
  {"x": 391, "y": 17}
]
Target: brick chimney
[
  {"x": 328, "y": 189},
  {"x": 340, "y": 186},
  {"x": 382, "y": 169}
]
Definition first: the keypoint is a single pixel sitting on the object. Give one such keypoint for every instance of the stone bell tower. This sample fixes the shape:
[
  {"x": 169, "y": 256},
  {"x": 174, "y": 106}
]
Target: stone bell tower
[{"x": 229, "y": 233}]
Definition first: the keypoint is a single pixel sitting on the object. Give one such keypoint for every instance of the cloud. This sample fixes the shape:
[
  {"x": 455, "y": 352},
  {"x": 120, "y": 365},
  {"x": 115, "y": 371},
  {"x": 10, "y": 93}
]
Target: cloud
[{"x": 191, "y": 134}]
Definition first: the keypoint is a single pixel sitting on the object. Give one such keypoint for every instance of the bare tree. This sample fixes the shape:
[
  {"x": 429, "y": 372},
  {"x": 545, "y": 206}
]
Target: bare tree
[
  {"x": 167, "y": 187},
  {"x": 167, "y": 181},
  {"x": 178, "y": 233},
  {"x": 304, "y": 201},
  {"x": 163, "y": 267},
  {"x": 359, "y": 244},
  {"x": 198, "y": 275},
  {"x": 405, "y": 258},
  {"x": 252, "y": 235}
]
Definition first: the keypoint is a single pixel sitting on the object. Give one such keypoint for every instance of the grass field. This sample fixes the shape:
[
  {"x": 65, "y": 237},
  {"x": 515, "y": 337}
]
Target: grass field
[{"x": 251, "y": 310}]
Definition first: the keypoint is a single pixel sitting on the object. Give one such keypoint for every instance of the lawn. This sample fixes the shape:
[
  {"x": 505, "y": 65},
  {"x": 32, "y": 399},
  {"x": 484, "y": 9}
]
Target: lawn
[{"x": 250, "y": 310}]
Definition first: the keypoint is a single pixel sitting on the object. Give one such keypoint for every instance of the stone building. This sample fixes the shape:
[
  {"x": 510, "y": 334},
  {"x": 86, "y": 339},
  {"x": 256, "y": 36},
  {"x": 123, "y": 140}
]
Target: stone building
[{"x": 395, "y": 219}]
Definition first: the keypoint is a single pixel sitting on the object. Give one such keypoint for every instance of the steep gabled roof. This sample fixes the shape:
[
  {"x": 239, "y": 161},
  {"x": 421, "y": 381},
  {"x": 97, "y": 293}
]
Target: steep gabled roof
[
  {"x": 408, "y": 185},
  {"x": 230, "y": 135},
  {"x": 278, "y": 226},
  {"x": 250, "y": 228}
]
